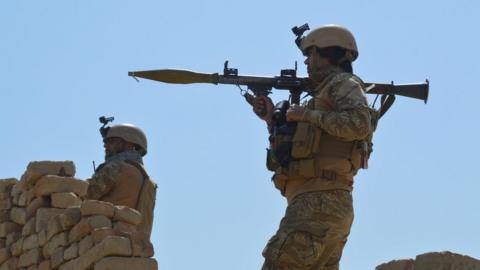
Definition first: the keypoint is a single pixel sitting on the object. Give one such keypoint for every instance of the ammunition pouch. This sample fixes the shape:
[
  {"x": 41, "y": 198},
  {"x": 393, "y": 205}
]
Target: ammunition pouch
[
  {"x": 297, "y": 152},
  {"x": 295, "y": 156},
  {"x": 279, "y": 153},
  {"x": 280, "y": 181},
  {"x": 306, "y": 169},
  {"x": 360, "y": 154},
  {"x": 305, "y": 140},
  {"x": 302, "y": 169}
]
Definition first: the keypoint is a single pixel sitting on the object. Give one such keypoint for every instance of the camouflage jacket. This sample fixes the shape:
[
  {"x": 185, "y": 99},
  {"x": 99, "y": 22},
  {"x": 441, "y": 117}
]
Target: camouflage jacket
[
  {"x": 125, "y": 183},
  {"x": 117, "y": 182},
  {"x": 340, "y": 110},
  {"x": 340, "y": 107}
]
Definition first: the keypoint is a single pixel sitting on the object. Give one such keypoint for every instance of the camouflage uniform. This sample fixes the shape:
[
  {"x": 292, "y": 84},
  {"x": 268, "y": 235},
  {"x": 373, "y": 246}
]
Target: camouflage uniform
[
  {"x": 318, "y": 218},
  {"x": 125, "y": 182}
]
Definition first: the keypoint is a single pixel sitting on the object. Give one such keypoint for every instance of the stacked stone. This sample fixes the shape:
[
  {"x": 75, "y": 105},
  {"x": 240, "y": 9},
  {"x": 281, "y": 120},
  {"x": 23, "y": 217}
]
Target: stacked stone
[
  {"x": 433, "y": 261},
  {"x": 45, "y": 223},
  {"x": 10, "y": 231}
]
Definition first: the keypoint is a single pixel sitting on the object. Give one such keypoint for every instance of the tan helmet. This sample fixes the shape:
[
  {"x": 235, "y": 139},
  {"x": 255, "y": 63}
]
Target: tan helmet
[
  {"x": 129, "y": 133},
  {"x": 331, "y": 35}
]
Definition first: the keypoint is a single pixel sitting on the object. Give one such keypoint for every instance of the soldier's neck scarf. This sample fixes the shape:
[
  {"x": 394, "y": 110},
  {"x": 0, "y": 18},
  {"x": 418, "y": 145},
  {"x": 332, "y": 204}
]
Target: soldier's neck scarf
[
  {"x": 320, "y": 76},
  {"x": 126, "y": 155}
]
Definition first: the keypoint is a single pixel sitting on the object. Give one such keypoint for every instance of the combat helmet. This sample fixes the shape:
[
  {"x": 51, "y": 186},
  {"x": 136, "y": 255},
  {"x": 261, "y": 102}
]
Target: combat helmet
[
  {"x": 129, "y": 133},
  {"x": 331, "y": 35}
]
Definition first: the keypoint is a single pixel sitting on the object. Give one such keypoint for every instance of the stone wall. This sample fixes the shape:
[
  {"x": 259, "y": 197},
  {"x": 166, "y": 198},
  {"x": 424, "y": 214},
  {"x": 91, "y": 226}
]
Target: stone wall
[
  {"x": 433, "y": 261},
  {"x": 45, "y": 223}
]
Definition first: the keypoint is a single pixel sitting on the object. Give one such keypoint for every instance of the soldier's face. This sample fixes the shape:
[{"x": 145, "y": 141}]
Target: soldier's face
[
  {"x": 113, "y": 146},
  {"x": 315, "y": 63}
]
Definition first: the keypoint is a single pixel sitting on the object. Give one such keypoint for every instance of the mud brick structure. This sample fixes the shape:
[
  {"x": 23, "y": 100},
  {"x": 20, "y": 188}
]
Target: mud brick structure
[
  {"x": 433, "y": 261},
  {"x": 46, "y": 223}
]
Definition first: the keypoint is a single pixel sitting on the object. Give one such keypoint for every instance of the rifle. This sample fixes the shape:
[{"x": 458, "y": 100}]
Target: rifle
[{"x": 288, "y": 80}]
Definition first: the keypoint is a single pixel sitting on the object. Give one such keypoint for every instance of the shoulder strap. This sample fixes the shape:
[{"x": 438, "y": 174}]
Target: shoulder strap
[
  {"x": 146, "y": 177},
  {"x": 139, "y": 167},
  {"x": 146, "y": 199},
  {"x": 385, "y": 104}
]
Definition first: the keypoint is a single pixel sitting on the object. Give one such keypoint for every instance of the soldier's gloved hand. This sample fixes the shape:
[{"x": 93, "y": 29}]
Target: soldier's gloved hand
[
  {"x": 263, "y": 108},
  {"x": 296, "y": 113}
]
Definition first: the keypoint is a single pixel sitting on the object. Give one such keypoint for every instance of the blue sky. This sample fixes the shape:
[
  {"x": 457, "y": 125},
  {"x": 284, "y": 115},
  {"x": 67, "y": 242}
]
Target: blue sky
[{"x": 65, "y": 63}]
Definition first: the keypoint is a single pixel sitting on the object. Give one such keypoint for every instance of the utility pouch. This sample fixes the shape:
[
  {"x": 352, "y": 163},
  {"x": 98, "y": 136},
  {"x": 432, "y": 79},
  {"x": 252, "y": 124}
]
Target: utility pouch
[
  {"x": 272, "y": 163},
  {"x": 360, "y": 154},
  {"x": 280, "y": 182},
  {"x": 304, "y": 168},
  {"x": 305, "y": 140}
]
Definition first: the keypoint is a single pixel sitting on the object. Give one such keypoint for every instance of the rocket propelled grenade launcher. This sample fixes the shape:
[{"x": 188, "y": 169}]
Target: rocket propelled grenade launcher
[
  {"x": 262, "y": 86},
  {"x": 288, "y": 80}
]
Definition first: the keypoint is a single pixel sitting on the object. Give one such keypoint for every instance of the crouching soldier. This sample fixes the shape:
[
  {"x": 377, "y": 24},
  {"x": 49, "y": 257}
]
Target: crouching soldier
[{"x": 122, "y": 179}]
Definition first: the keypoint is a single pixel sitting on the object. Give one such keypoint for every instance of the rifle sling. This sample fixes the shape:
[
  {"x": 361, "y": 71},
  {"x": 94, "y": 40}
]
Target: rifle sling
[{"x": 386, "y": 103}]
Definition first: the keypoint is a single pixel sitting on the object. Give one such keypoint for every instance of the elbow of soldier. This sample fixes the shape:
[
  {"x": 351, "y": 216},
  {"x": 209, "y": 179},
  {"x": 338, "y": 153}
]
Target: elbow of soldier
[{"x": 364, "y": 131}]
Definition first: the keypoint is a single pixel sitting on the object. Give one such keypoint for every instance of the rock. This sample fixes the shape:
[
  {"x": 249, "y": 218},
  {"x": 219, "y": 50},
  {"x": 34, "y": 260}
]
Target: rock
[
  {"x": 22, "y": 199},
  {"x": 17, "y": 189},
  {"x": 30, "y": 257},
  {"x": 85, "y": 244},
  {"x": 50, "y": 184},
  {"x": 99, "y": 221},
  {"x": 12, "y": 238},
  {"x": 32, "y": 267},
  {"x": 38, "y": 169},
  {"x": 53, "y": 227},
  {"x": 30, "y": 242},
  {"x": 445, "y": 261},
  {"x": 127, "y": 214},
  {"x": 59, "y": 240},
  {"x": 9, "y": 227},
  {"x": 110, "y": 246},
  {"x": 62, "y": 222},
  {"x": 74, "y": 214},
  {"x": 4, "y": 255},
  {"x": 141, "y": 245},
  {"x": 433, "y": 261},
  {"x": 397, "y": 265},
  {"x": 5, "y": 204},
  {"x": 45, "y": 265},
  {"x": 4, "y": 215},
  {"x": 29, "y": 227},
  {"x": 30, "y": 196},
  {"x": 93, "y": 207},
  {"x": 57, "y": 258},
  {"x": 79, "y": 231},
  {"x": 71, "y": 252},
  {"x": 10, "y": 264},
  {"x": 122, "y": 263},
  {"x": 6, "y": 186},
  {"x": 65, "y": 200},
  {"x": 122, "y": 228},
  {"x": 17, "y": 247},
  {"x": 18, "y": 215},
  {"x": 35, "y": 204},
  {"x": 42, "y": 238},
  {"x": 101, "y": 233},
  {"x": 44, "y": 215}
]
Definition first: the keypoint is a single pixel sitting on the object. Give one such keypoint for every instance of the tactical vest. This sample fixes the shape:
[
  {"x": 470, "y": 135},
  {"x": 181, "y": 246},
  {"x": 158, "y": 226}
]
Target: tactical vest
[
  {"x": 310, "y": 145},
  {"x": 146, "y": 199}
]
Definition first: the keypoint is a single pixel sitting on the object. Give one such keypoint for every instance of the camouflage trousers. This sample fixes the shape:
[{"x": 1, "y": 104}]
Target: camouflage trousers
[{"x": 312, "y": 234}]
